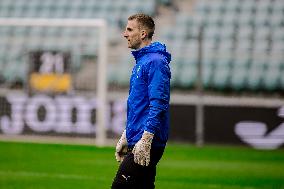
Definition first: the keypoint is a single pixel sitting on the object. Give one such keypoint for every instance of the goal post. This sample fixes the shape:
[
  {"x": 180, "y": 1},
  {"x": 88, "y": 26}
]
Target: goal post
[{"x": 101, "y": 83}]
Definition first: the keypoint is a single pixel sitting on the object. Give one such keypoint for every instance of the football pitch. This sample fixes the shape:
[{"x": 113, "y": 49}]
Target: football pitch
[{"x": 54, "y": 166}]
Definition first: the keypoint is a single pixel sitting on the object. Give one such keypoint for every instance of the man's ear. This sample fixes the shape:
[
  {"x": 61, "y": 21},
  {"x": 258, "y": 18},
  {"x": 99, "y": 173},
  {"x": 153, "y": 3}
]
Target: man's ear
[{"x": 143, "y": 34}]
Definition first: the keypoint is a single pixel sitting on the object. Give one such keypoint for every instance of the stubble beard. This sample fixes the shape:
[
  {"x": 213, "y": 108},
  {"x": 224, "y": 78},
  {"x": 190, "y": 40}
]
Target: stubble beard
[{"x": 134, "y": 44}]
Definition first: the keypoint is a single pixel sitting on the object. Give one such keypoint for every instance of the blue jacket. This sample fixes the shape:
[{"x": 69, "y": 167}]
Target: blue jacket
[{"x": 149, "y": 95}]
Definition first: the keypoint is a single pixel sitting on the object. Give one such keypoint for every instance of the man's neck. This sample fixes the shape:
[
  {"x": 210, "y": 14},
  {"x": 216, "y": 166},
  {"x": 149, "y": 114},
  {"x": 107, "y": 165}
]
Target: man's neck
[{"x": 144, "y": 44}]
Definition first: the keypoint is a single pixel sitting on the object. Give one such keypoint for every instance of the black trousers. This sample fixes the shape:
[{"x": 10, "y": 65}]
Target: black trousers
[{"x": 131, "y": 175}]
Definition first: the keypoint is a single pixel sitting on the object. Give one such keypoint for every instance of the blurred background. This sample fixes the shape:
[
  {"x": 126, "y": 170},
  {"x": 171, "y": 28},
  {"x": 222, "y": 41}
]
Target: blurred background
[
  {"x": 64, "y": 78},
  {"x": 227, "y": 69}
]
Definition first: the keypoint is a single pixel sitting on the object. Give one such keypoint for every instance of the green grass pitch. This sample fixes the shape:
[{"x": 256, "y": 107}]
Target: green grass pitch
[{"x": 52, "y": 166}]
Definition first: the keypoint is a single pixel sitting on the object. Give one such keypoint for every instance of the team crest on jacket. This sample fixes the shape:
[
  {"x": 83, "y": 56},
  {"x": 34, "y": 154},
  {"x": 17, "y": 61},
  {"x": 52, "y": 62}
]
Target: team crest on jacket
[{"x": 137, "y": 71}]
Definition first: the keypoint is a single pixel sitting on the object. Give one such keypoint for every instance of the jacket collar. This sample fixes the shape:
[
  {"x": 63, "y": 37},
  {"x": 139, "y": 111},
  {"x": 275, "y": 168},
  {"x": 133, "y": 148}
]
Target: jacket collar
[
  {"x": 155, "y": 47},
  {"x": 140, "y": 52}
]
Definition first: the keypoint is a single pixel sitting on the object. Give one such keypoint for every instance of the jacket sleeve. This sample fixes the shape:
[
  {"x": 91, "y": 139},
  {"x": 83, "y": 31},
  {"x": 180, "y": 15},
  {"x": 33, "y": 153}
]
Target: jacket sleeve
[{"x": 159, "y": 94}]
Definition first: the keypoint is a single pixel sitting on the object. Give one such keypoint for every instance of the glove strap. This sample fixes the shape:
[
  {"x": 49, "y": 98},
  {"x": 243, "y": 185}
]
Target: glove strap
[{"x": 147, "y": 137}]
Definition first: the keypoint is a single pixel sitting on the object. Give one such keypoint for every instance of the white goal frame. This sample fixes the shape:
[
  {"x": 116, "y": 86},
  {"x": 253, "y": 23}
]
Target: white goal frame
[{"x": 102, "y": 59}]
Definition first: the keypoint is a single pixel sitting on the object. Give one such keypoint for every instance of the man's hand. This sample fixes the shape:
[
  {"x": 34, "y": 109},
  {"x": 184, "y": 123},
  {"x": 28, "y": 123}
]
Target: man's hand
[
  {"x": 142, "y": 149},
  {"x": 120, "y": 147}
]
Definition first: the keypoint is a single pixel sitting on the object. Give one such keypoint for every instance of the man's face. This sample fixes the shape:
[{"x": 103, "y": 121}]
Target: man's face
[{"x": 133, "y": 34}]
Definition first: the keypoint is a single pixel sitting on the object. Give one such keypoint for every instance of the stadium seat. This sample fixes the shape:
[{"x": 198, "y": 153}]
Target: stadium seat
[
  {"x": 243, "y": 33},
  {"x": 167, "y": 34},
  {"x": 272, "y": 78},
  {"x": 229, "y": 18},
  {"x": 244, "y": 45},
  {"x": 277, "y": 47},
  {"x": 121, "y": 71},
  {"x": 174, "y": 73},
  {"x": 165, "y": 2},
  {"x": 212, "y": 33},
  {"x": 261, "y": 46},
  {"x": 245, "y": 18},
  {"x": 15, "y": 71},
  {"x": 277, "y": 5},
  {"x": 222, "y": 66},
  {"x": 238, "y": 77},
  {"x": 240, "y": 70},
  {"x": 255, "y": 76},
  {"x": 187, "y": 73},
  {"x": 68, "y": 9},
  {"x": 282, "y": 80},
  {"x": 261, "y": 18},
  {"x": 207, "y": 77}
]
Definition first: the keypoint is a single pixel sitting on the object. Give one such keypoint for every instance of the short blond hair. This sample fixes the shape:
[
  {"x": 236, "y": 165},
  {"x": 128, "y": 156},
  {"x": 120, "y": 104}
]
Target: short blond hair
[{"x": 146, "y": 22}]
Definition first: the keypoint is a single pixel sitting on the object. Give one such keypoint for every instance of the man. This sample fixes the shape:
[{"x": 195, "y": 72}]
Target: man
[{"x": 147, "y": 126}]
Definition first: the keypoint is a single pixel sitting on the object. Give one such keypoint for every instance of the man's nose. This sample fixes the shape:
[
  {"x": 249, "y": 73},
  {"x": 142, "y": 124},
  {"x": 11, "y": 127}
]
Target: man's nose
[{"x": 125, "y": 34}]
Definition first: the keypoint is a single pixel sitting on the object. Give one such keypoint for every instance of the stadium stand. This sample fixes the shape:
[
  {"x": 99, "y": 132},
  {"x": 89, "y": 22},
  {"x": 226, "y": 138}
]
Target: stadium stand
[
  {"x": 12, "y": 44},
  {"x": 243, "y": 45}
]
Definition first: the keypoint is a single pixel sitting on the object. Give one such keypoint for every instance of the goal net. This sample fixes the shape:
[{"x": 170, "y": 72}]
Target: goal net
[{"x": 54, "y": 61}]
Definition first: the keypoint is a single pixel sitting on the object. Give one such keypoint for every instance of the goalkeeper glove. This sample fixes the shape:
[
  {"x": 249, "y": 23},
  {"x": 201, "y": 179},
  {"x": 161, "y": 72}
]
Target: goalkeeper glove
[
  {"x": 142, "y": 149},
  {"x": 120, "y": 147}
]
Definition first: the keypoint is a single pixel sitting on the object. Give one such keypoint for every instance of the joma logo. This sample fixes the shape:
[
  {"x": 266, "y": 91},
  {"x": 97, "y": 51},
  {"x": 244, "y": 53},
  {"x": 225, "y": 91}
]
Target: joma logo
[{"x": 255, "y": 133}]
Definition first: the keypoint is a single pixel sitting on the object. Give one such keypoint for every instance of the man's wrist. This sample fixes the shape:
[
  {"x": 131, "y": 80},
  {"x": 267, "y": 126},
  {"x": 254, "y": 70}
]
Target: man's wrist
[{"x": 147, "y": 136}]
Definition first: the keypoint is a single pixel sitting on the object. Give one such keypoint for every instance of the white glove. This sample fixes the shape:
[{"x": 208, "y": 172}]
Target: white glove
[
  {"x": 121, "y": 147},
  {"x": 142, "y": 149}
]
